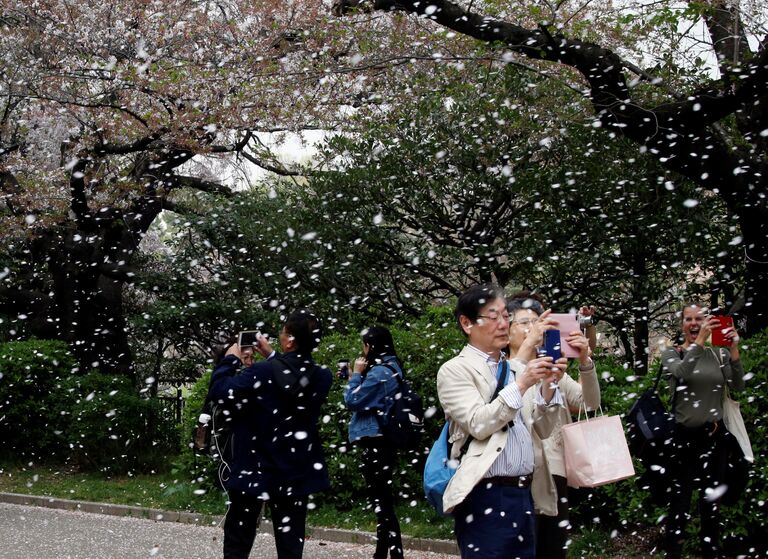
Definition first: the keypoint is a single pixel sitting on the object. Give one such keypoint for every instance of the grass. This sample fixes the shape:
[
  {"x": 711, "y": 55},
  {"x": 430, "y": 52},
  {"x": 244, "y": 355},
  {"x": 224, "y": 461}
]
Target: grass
[{"x": 166, "y": 491}]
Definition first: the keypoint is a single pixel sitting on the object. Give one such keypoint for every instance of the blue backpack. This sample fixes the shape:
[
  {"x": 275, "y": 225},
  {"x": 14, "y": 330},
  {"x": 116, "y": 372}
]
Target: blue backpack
[{"x": 439, "y": 468}]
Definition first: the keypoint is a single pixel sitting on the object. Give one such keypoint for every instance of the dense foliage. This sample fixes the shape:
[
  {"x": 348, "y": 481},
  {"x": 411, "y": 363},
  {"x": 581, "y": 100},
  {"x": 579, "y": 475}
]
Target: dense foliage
[
  {"x": 30, "y": 427},
  {"x": 53, "y": 411}
]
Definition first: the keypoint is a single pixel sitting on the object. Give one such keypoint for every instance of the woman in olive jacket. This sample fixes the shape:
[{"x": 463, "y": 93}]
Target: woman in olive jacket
[{"x": 699, "y": 374}]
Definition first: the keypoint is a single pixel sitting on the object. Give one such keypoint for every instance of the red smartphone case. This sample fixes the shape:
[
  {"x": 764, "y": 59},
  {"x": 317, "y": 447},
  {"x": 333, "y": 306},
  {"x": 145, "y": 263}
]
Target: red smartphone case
[{"x": 718, "y": 334}]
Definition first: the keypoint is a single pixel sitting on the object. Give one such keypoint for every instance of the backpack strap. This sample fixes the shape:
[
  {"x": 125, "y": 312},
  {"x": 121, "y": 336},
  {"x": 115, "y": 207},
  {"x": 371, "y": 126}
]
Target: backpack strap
[
  {"x": 395, "y": 372},
  {"x": 501, "y": 381}
]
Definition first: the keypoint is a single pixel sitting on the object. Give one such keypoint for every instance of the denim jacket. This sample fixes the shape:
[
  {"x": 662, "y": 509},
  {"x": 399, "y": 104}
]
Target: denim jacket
[{"x": 370, "y": 396}]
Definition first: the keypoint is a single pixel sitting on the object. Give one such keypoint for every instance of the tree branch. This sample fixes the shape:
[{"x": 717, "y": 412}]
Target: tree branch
[
  {"x": 278, "y": 170},
  {"x": 200, "y": 184}
]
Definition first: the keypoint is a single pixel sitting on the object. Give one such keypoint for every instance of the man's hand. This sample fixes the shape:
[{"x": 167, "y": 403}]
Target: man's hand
[
  {"x": 262, "y": 345},
  {"x": 235, "y": 350}
]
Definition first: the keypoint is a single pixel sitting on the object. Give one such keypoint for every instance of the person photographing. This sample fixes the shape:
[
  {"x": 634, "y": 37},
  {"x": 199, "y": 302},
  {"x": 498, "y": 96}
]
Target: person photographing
[
  {"x": 277, "y": 459},
  {"x": 528, "y": 322},
  {"x": 370, "y": 391},
  {"x": 698, "y": 376},
  {"x": 490, "y": 431}
]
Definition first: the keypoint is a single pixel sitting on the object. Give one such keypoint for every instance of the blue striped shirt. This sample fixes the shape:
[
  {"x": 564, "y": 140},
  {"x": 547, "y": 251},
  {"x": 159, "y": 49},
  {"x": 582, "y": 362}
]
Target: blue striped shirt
[{"x": 517, "y": 457}]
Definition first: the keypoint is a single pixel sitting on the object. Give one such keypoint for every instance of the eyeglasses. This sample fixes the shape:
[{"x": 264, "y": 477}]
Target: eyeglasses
[
  {"x": 525, "y": 321},
  {"x": 496, "y": 316}
]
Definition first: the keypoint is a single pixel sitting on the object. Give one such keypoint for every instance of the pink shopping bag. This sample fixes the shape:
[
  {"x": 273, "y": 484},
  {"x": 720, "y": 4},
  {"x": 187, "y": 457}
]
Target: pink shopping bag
[{"x": 596, "y": 452}]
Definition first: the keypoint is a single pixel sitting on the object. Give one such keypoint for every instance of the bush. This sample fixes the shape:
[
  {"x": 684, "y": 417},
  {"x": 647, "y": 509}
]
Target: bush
[
  {"x": 201, "y": 471},
  {"x": 50, "y": 411},
  {"x": 110, "y": 428},
  {"x": 626, "y": 506},
  {"x": 29, "y": 422}
]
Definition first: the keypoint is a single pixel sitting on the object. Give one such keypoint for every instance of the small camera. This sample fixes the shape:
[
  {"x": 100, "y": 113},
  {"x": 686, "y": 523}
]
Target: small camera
[{"x": 585, "y": 322}]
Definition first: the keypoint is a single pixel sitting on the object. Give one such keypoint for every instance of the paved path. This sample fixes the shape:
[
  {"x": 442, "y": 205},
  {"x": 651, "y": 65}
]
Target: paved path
[{"x": 47, "y": 533}]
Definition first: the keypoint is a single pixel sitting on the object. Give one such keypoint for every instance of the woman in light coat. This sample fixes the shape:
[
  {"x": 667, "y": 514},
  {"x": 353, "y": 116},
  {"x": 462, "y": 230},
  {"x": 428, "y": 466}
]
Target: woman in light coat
[{"x": 528, "y": 321}]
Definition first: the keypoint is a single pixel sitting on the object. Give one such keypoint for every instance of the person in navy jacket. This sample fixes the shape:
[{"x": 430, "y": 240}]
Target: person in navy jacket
[
  {"x": 277, "y": 456},
  {"x": 370, "y": 392}
]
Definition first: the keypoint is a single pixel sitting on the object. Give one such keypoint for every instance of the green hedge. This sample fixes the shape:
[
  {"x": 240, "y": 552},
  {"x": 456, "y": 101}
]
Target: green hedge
[
  {"x": 30, "y": 426},
  {"x": 112, "y": 429},
  {"x": 50, "y": 411}
]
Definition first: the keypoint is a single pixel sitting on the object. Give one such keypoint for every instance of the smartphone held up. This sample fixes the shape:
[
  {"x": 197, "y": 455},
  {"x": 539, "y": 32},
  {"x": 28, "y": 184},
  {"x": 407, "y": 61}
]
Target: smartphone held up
[
  {"x": 248, "y": 338},
  {"x": 719, "y": 337},
  {"x": 552, "y": 345}
]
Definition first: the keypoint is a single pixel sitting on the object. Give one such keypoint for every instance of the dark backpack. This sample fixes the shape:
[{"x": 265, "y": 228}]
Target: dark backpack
[{"x": 402, "y": 422}]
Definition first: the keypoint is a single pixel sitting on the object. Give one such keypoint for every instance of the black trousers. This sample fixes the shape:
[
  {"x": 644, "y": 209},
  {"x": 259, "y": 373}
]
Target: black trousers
[
  {"x": 552, "y": 531},
  {"x": 378, "y": 464},
  {"x": 289, "y": 515},
  {"x": 698, "y": 462}
]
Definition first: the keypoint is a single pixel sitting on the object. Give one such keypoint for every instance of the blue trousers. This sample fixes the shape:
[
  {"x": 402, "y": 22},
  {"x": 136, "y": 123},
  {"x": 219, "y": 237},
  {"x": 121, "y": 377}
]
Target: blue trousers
[{"x": 496, "y": 522}]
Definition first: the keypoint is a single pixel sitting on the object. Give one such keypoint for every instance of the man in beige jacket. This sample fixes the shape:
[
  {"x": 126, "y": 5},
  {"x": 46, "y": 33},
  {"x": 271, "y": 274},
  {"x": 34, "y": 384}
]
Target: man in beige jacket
[{"x": 490, "y": 494}]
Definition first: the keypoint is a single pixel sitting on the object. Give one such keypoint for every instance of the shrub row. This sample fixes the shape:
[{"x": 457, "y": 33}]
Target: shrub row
[{"x": 49, "y": 410}]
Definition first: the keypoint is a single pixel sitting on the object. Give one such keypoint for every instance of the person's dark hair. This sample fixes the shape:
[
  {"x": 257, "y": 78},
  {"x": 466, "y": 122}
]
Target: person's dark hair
[
  {"x": 380, "y": 344},
  {"x": 379, "y": 341},
  {"x": 475, "y": 298},
  {"x": 525, "y": 300},
  {"x": 306, "y": 329},
  {"x": 218, "y": 351}
]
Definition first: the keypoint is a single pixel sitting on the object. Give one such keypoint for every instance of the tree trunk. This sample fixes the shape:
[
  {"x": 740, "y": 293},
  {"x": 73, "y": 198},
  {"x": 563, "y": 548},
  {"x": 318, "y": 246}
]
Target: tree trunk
[
  {"x": 640, "y": 312},
  {"x": 88, "y": 305},
  {"x": 755, "y": 245},
  {"x": 629, "y": 354}
]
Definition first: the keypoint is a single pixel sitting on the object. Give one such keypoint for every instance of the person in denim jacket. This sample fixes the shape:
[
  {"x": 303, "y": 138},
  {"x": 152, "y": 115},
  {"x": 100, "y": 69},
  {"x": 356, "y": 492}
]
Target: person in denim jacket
[{"x": 369, "y": 394}]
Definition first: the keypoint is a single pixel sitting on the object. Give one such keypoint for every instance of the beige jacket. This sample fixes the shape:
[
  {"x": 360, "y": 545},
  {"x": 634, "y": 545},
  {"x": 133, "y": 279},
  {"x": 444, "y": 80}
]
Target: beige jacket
[
  {"x": 548, "y": 452},
  {"x": 465, "y": 386}
]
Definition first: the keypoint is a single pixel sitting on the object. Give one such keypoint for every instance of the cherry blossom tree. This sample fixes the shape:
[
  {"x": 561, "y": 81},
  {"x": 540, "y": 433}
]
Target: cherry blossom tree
[{"x": 102, "y": 107}]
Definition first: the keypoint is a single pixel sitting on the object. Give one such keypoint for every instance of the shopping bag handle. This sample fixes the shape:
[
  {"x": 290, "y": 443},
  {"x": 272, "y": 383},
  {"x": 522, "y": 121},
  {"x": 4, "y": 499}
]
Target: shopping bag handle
[{"x": 583, "y": 406}]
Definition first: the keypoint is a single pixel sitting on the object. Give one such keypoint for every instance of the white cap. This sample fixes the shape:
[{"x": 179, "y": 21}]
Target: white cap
[{"x": 204, "y": 418}]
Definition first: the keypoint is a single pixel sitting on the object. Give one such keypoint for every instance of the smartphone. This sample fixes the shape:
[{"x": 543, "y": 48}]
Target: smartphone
[
  {"x": 567, "y": 323},
  {"x": 718, "y": 334},
  {"x": 552, "y": 345},
  {"x": 248, "y": 338},
  {"x": 343, "y": 370}
]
